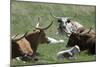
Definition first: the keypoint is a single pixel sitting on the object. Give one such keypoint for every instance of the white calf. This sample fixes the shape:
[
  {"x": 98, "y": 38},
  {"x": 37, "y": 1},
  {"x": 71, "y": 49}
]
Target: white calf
[{"x": 68, "y": 54}]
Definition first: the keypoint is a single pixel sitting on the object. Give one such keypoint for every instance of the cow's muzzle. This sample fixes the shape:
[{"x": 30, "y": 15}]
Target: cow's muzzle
[{"x": 26, "y": 57}]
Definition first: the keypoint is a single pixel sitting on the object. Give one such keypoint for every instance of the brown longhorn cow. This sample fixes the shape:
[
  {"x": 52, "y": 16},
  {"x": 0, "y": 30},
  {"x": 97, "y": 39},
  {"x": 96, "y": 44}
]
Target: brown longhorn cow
[
  {"x": 85, "y": 39},
  {"x": 36, "y": 37},
  {"x": 27, "y": 45}
]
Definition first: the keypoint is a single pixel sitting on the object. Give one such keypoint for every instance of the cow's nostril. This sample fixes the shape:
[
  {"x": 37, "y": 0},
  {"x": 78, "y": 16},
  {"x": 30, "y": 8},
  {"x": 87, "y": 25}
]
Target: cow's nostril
[{"x": 64, "y": 27}]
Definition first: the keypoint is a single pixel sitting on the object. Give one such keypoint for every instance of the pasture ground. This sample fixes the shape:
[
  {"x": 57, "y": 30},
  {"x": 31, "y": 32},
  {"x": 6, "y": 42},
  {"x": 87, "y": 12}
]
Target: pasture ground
[{"x": 24, "y": 17}]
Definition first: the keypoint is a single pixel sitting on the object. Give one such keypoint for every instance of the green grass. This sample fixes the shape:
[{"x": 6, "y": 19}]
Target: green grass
[{"x": 24, "y": 17}]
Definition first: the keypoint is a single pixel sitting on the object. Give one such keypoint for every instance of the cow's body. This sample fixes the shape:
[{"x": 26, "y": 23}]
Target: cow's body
[
  {"x": 68, "y": 54},
  {"x": 86, "y": 41},
  {"x": 21, "y": 48}
]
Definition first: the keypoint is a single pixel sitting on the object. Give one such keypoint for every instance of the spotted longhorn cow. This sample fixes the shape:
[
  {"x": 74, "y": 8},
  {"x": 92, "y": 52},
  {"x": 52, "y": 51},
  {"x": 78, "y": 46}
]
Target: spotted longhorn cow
[{"x": 65, "y": 23}]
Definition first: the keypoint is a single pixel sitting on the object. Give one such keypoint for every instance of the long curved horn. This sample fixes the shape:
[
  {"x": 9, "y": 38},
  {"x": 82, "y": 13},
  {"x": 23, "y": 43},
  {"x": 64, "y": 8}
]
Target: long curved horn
[
  {"x": 37, "y": 25},
  {"x": 48, "y": 26},
  {"x": 13, "y": 37},
  {"x": 86, "y": 32},
  {"x": 89, "y": 30},
  {"x": 45, "y": 27},
  {"x": 54, "y": 15},
  {"x": 21, "y": 37}
]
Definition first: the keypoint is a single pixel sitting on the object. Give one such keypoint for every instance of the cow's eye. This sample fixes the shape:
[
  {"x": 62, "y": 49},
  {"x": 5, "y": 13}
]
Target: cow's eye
[{"x": 59, "y": 20}]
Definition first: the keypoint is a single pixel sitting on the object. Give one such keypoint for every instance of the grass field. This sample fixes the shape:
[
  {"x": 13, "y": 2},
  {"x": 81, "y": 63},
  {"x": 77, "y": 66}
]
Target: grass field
[{"x": 24, "y": 15}]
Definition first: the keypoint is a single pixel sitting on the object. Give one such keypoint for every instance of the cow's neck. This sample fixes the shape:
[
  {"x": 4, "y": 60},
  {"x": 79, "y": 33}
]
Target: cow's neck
[
  {"x": 74, "y": 25},
  {"x": 34, "y": 40}
]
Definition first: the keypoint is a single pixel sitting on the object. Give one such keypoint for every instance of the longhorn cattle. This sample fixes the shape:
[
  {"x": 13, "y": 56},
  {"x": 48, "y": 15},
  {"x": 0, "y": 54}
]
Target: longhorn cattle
[
  {"x": 28, "y": 44},
  {"x": 86, "y": 40},
  {"x": 36, "y": 37},
  {"x": 65, "y": 23}
]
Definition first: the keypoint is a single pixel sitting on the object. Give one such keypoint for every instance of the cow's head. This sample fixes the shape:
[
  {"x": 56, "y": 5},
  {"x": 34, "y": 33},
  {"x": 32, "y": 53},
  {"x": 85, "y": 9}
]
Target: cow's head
[
  {"x": 73, "y": 39},
  {"x": 39, "y": 32},
  {"x": 78, "y": 38},
  {"x": 75, "y": 49},
  {"x": 63, "y": 22},
  {"x": 42, "y": 36}
]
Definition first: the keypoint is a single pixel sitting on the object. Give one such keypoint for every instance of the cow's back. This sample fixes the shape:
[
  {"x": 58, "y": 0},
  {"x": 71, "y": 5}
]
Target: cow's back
[
  {"x": 92, "y": 43},
  {"x": 20, "y": 48},
  {"x": 25, "y": 46}
]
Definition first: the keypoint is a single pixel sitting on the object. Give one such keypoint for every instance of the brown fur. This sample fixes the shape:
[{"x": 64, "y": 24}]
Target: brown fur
[
  {"x": 21, "y": 48},
  {"x": 35, "y": 38},
  {"x": 29, "y": 44},
  {"x": 86, "y": 41}
]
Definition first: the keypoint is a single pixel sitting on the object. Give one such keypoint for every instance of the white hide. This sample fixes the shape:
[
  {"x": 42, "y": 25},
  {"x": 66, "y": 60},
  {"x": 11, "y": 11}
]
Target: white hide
[
  {"x": 72, "y": 51},
  {"x": 64, "y": 19},
  {"x": 72, "y": 27},
  {"x": 54, "y": 41}
]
